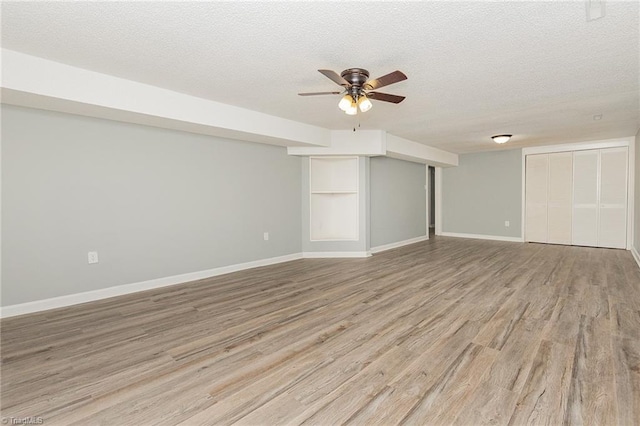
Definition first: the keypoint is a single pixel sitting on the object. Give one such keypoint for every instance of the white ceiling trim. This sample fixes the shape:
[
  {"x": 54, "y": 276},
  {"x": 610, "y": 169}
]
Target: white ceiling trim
[
  {"x": 379, "y": 143},
  {"x": 40, "y": 83},
  {"x": 539, "y": 70},
  {"x": 348, "y": 142},
  {"x": 404, "y": 149},
  {"x": 31, "y": 81}
]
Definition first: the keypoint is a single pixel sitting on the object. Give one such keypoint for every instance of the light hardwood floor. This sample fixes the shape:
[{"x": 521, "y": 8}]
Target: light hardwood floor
[{"x": 447, "y": 331}]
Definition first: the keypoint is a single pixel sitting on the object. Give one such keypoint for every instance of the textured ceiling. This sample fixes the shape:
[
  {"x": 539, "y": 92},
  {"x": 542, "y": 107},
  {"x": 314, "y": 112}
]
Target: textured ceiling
[{"x": 538, "y": 70}]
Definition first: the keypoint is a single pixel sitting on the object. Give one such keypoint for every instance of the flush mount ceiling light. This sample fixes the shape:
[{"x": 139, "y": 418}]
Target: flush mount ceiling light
[{"x": 501, "y": 138}]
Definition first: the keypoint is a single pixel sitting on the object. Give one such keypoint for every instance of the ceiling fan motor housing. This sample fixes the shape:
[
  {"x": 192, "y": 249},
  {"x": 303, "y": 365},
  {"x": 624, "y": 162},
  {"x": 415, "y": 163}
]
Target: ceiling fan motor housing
[{"x": 355, "y": 76}]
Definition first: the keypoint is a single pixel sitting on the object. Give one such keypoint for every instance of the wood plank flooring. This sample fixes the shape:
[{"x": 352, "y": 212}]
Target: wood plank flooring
[{"x": 444, "y": 332}]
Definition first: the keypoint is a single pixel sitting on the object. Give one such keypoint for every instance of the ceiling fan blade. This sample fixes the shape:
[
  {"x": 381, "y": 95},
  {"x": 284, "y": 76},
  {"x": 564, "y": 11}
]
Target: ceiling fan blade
[
  {"x": 385, "y": 97},
  {"x": 385, "y": 80},
  {"x": 335, "y": 77},
  {"x": 319, "y": 93}
]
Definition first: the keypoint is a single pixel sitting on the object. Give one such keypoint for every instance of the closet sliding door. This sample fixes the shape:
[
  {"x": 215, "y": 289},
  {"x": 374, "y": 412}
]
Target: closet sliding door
[
  {"x": 559, "y": 208},
  {"x": 585, "y": 197},
  {"x": 600, "y": 198},
  {"x": 536, "y": 185},
  {"x": 548, "y": 189},
  {"x": 613, "y": 198},
  {"x": 577, "y": 197}
]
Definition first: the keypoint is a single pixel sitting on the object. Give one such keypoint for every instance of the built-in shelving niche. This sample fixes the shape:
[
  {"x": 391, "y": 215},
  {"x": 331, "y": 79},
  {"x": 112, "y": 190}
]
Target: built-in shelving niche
[{"x": 334, "y": 198}]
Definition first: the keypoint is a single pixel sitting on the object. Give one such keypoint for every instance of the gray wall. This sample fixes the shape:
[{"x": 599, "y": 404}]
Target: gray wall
[
  {"x": 363, "y": 243},
  {"x": 152, "y": 202},
  {"x": 398, "y": 200},
  {"x": 636, "y": 222},
  {"x": 482, "y": 193}
]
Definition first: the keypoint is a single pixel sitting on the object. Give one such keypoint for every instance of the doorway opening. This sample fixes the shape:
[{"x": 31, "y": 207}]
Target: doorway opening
[{"x": 431, "y": 201}]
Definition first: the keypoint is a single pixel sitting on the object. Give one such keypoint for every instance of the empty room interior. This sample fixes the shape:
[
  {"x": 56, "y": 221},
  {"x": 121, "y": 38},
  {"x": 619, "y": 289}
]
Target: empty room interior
[{"x": 277, "y": 213}]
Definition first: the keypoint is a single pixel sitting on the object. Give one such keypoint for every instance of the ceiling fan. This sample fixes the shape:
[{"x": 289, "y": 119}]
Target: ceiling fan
[{"x": 358, "y": 89}]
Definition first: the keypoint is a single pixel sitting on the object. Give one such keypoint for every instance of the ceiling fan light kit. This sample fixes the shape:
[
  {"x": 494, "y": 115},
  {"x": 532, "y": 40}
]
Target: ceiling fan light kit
[
  {"x": 353, "y": 109},
  {"x": 501, "y": 138},
  {"x": 357, "y": 89},
  {"x": 364, "y": 103},
  {"x": 345, "y": 103}
]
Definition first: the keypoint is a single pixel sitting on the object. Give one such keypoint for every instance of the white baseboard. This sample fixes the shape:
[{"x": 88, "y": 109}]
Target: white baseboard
[
  {"x": 636, "y": 255},
  {"x": 483, "y": 237},
  {"x": 390, "y": 246},
  {"x": 120, "y": 290},
  {"x": 334, "y": 254}
]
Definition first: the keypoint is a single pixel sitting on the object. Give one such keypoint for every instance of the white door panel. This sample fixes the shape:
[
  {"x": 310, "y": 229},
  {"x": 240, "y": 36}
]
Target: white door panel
[
  {"x": 585, "y": 198},
  {"x": 585, "y": 177},
  {"x": 536, "y": 223},
  {"x": 559, "y": 218},
  {"x": 613, "y": 198},
  {"x": 613, "y": 228},
  {"x": 536, "y": 185},
  {"x": 560, "y": 177},
  {"x": 585, "y": 227},
  {"x": 560, "y": 192}
]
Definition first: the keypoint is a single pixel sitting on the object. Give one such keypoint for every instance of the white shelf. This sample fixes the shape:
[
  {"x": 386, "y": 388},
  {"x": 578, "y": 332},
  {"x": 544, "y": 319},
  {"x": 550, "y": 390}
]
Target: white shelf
[
  {"x": 334, "y": 192},
  {"x": 333, "y": 203},
  {"x": 334, "y": 217},
  {"x": 334, "y": 174}
]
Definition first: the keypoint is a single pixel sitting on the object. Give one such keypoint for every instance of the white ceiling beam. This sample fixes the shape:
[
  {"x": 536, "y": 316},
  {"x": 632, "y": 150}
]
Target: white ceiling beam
[
  {"x": 36, "y": 82},
  {"x": 348, "y": 142},
  {"x": 39, "y": 83},
  {"x": 404, "y": 149},
  {"x": 372, "y": 143}
]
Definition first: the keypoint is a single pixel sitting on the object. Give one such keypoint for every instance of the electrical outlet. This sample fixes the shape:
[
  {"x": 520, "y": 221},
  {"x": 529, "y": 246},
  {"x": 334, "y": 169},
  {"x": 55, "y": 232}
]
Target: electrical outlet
[
  {"x": 92, "y": 257},
  {"x": 266, "y": 236},
  {"x": 506, "y": 223}
]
